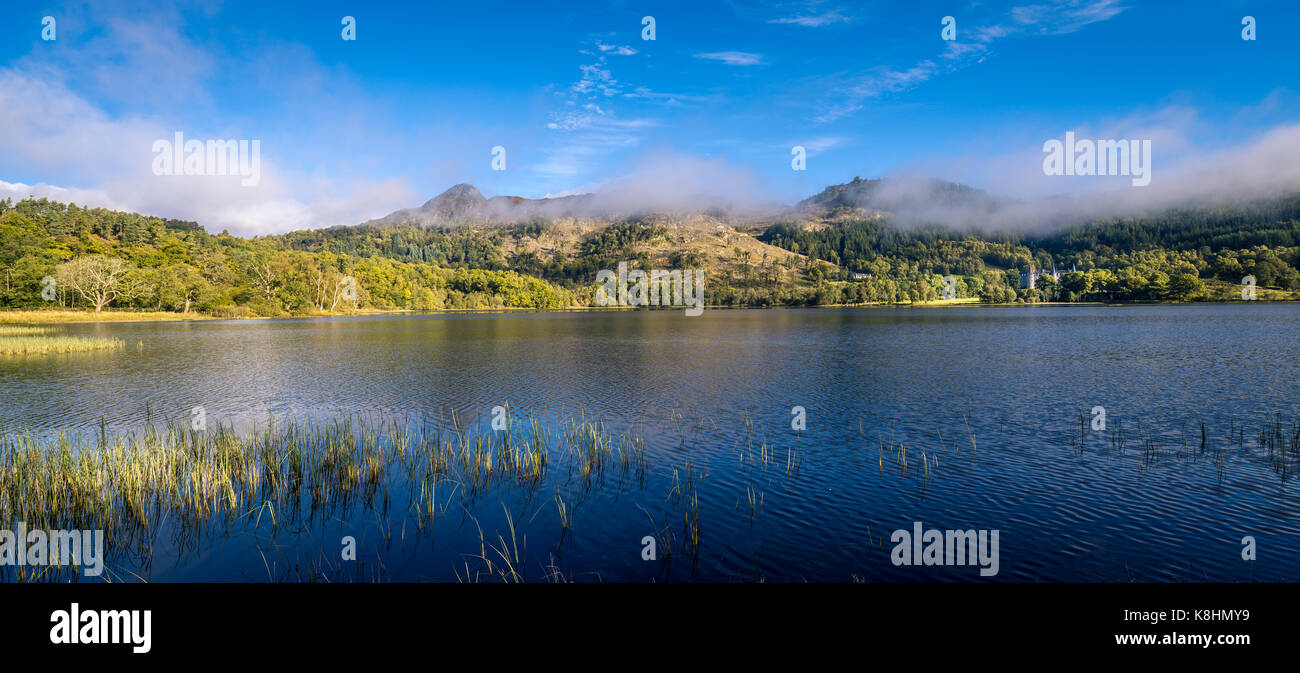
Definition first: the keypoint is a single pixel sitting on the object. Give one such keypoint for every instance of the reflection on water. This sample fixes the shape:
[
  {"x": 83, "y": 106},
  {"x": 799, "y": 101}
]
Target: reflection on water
[{"x": 957, "y": 418}]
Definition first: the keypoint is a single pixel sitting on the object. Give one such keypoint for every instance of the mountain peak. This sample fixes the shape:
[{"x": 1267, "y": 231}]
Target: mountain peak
[
  {"x": 895, "y": 194},
  {"x": 464, "y": 203},
  {"x": 458, "y": 201}
]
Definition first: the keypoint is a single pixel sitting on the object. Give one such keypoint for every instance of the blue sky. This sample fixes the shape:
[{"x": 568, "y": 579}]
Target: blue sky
[{"x": 351, "y": 130}]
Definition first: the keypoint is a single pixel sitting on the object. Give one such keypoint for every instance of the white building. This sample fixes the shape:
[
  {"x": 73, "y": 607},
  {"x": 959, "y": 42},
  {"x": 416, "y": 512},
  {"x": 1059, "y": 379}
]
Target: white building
[{"x": 1028, "y": 279}]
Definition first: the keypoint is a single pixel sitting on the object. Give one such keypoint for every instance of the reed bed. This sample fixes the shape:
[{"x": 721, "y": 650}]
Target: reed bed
[
  {"x": 24, "y": 340},
  {"x": 54, "y": 317},
  {"x": 285, "y": 473},
  {"x": 1276, "y": 443},
  {"x": 24, "y": 330}
]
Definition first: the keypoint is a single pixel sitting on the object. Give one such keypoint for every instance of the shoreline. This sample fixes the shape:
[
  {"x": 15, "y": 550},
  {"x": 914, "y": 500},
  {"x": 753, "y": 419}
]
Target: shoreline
[{"x": 88, "y": 317}]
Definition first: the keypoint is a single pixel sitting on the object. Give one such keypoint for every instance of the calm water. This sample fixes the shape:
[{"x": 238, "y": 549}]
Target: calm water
[{"x": 709, "y": 391}]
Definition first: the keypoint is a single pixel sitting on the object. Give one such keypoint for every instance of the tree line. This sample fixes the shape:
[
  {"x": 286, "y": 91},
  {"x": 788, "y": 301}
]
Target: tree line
[
  {"x": 1179, "y": 255},
  {"x": 55, "y": 254}
]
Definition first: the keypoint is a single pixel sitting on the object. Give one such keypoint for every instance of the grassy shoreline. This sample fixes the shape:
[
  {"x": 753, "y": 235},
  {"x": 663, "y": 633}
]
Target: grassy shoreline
[
  {"x": 74, "y": 316},
  {"x": 86, "y": 316},
  {"x": 29, "y": 340}
]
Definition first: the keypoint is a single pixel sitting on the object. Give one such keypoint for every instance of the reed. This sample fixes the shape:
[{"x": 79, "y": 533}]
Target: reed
[
  {"x": 286, "y": 473},
  {"x": 45, "y": 343},
  {"x": 50, "y": 317},
  {"x": 24, "y": 330}
]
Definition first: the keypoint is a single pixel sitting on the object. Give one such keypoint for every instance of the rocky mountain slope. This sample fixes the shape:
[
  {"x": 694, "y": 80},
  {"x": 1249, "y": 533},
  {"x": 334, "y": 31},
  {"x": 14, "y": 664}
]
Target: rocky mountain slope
[{"x": 464, "y": 203}]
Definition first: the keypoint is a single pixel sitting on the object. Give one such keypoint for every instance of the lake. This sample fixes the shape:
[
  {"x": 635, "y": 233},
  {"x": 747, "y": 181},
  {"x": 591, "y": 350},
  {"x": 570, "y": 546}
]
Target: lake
[{"x": 959, "y": 418}]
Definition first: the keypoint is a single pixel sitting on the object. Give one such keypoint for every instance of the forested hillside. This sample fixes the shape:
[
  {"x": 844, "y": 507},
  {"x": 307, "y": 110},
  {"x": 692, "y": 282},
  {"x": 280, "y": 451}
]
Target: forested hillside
[
  {"x": 140, "y": 262},
  {"x": 1178, "y": 255},
  {"x": 840, "y": 254}
]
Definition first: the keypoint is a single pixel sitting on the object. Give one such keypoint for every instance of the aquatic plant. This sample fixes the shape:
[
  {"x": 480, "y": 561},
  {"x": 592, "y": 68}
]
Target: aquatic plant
[
  {"x": 287, "y": 472},
  {"x": 24, "y": 330},
  {"x": 42, "y": 341}
]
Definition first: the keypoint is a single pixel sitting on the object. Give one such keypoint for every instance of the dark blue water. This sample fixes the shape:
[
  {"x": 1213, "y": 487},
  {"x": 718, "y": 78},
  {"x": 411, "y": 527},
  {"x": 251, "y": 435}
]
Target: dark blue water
[{"x": 961, "y": 418}]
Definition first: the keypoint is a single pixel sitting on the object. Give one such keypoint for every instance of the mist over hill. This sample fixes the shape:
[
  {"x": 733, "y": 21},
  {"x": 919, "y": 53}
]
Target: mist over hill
[
  {"x": 866, "y": 241},
  {"x": 904, "y": 202},
  {"x": 464, "y": 203}
]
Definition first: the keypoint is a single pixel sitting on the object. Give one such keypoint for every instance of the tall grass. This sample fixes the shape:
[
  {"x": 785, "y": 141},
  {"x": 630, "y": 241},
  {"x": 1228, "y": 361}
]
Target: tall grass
[
  {"x": 286, "y": 472},
  {"x": 38, "y": 344},
  {"x": 56, "y": 316},
  {"x": 28, "y": 340},
  {"x": 24, "y": 330}
]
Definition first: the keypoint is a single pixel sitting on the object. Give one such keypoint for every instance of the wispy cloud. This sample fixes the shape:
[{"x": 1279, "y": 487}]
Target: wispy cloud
[
  {"x": 813, "y": 20},
  {"x": 820, "y": 144},
  {"x": 805, "y": 13},
  {"x": 596, "y": 78},
  {"x": 591, "y": 115},
  {"x": 973, "y": 44},
  {"x": 577, "y": 153},
  {"x": 588, "y": 127},
  {"x": 66, "y": 124},
  {"x": 875, "y": 84},
  {"x": 1195, "y": 168},
  {"x": 665, "y": 181},
  {"x": 615, "y": 49},
  {"x": 1065, "y": 16},
  {"x": 1053, "y": 18},
  {"x": 733, "y": 57}
]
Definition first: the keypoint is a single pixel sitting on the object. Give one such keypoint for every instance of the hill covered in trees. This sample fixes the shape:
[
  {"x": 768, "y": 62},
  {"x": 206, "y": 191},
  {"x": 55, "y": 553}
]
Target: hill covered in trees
[
  {"x": 96, "y": 258},
  {"x": 1184, "y": 255},
  {"x": 839, "y": 247}
]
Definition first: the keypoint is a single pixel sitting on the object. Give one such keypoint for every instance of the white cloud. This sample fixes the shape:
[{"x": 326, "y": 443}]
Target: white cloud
[
  {"x": 1190, "y": 165},
  {"x": 820, "y": 144},
  {"x": 674, "y": 182},
  {"x": 595, "y": 78},
  {"x": 874, "y": 84},
  {"x": 591, "y": 139},
  {"x": 733, "y": 57},
  {"x": 80, "y": 121},
  {"x": 1065, "y": 16},
  {"x": 591, "y": 129},
  {"x": 813, "y": 20},
  {"x": 805, "y": 13},
  {"x": 51, "y": 130},
  {"x": 617, "y": 50},
  {"x": 974, "y": 43},
  {"x": 85, "y": 197}
]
